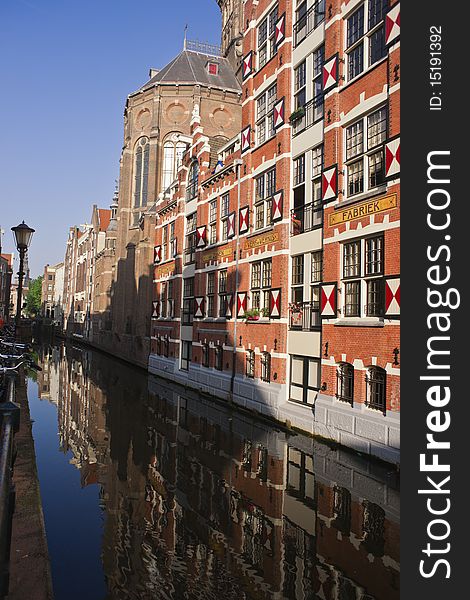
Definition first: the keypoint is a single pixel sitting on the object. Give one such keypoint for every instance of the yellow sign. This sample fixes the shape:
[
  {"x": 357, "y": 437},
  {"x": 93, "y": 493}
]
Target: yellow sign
[
  {"x": 165, "y": 270},
  {"x": 215, "y": 254},
  {"x": 363, "y": 210},
  {"x": 262, "y": 240}
]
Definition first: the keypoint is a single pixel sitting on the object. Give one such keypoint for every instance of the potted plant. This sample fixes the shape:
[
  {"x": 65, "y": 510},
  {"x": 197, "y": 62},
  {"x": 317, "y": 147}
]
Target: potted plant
[
  {"x": 297, "y": 114},
  {"x": 265, "y": 312},
  {"x": 252, "y": 314}
]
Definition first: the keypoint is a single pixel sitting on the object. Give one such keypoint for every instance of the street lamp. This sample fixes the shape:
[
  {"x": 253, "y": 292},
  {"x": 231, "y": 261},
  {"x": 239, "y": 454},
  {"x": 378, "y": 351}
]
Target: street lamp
[{"x": 23, "y": 235}]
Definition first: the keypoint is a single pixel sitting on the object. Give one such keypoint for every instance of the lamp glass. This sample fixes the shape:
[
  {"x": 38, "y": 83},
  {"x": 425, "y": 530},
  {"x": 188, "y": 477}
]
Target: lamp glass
[{"x": 23, "y": 235}]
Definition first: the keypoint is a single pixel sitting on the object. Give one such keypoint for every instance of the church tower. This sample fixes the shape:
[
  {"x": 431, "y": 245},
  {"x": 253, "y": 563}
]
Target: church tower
[{"x": 232, "y": 32}]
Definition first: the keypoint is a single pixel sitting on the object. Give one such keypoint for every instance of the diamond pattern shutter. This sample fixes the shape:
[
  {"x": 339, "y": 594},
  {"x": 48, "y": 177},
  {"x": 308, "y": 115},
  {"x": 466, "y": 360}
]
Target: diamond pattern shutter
[
  {"x": 392, "y": 157},
  {"x": 279, "y": 113},
  {"x": 330, "y": 73},
  {"x": 247, "y": 65},
  {"x": 241, "y": 303},
  {"x": 328, "y": 300},
  {"x": 231, "y": 225},
  {"x": 392, "y": 24},
  {"x": 276, "y": 206},
  {"x": 201, "y": 237},
  {"x": 275, "y": 304},
  {"x": 228, "y": 313},
  {"x": 246, "y": 139},
  {"x": 280, "y": 33},
  {"x": 199, "y": 306},
  {"x": 330, "y": 183},
  {"x": 244, "y": 219},
  {"x": 157, "y": 254},
  {"x": 155, "y": 309},
  {"x": 392, "y": 297}
]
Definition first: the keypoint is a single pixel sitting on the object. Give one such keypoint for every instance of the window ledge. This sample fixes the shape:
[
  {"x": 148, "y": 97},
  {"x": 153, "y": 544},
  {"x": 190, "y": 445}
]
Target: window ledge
[
  {"x": 360, "y": 322},
  {"x": 364, "y": 73},
  {"x": 260, "y": 321},
  {"x": 365, "y": 196}
]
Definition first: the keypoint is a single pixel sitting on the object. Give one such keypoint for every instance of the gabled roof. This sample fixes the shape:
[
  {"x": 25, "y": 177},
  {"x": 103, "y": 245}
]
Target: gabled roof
[
  {"x": 191, "y": 67},
  {"x": 104, "y": 215}
]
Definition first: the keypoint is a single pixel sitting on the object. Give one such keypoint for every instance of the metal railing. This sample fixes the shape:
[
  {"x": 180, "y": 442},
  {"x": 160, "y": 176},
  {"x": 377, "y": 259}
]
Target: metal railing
[
  {"x": 309, "y": 21},
  {"x": 306, "y": 218},
  {"x": 305, "y": 316},
  {"x": 312, "y": 113}
]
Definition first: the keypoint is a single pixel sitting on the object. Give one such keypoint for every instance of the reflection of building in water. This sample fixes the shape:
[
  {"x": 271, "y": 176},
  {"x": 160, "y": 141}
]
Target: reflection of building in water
[
  {"x": 200, "y": 501},
  {"x": 48, "y": 379}
]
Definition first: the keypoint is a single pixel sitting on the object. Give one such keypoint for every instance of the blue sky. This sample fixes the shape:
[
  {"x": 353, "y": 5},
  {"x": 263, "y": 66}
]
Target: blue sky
[{"x": 66, "y": 68}]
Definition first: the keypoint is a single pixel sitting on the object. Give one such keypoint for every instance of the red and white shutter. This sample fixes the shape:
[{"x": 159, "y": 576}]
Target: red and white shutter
[
  {"x": 392, "y": 297},
  {"x": 280, "y": 33},
  {"x": 328, "y": 300},
  {"x": 246, "y": 138},
  {"x": 279, "y": 118},
  {"x": 231, "y": 225},
  {"x": 247, "y": 65},
  {"x": 241, "y": 303},
  {"x": 392, "y": 24},
  {"x": 157, "y": 254},
  {"x": 392, "y": 157},
  {"x": 276, "y": 206},
  {"x": 244, "y": 219},
  {"x": 199, "y": 306},
  {"x": 228, "y": 312},
  {"x": 155, "y": 307},
  {"x": 330, "y": 183},
  {"x": 201, "y": 238},
  {"x": 330, "y": 73},
  {"x": 275, "y": 304}
]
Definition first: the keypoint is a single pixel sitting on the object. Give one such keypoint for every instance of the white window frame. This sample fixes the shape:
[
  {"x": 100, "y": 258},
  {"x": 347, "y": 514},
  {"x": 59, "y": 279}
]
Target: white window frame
[
  {"x": 264, "y": 105},
  {"x": 266, "y": 47}
]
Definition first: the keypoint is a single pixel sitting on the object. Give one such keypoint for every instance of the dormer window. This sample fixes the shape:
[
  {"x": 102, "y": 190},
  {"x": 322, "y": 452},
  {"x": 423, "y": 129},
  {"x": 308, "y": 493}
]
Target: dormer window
[{"x": 213, "y": 68}]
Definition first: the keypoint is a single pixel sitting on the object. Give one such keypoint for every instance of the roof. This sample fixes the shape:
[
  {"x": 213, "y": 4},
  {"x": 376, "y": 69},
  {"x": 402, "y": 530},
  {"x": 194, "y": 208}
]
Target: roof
[
  {"x": 191, "y": 67},
  {"x": 8, "y": 258},
  {"x": 104, "y": 215}
]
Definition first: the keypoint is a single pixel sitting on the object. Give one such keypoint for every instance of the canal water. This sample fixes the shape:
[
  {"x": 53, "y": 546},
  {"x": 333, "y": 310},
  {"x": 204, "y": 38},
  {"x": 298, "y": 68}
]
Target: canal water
[{"x": 152, "y": 491}]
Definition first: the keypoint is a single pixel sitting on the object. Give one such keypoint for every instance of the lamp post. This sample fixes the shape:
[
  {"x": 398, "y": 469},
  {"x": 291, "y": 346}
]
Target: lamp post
[{"x": 23, "y": 235}]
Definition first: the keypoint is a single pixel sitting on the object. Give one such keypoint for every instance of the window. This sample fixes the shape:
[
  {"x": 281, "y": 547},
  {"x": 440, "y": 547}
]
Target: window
[
  {"x": 172, "y": 157},
  {"x": 365, "y": 154},
  {"x": 210, "y": 294},
  {"x": 224, "y": 213},
  {"x": 317, "y": 168},
  {"x": 205, "y": 355},
  {"x": 193, "y": 178},
  {"x": 173, "y": 245},
  {"x": 266, "y": 37},
  {"x": 212, "y": 68},
  {"x": 375, "y": 388},
  {"x": 171, "y": 300},
  {"x": 261, "y": 274},
  {"x": 345, "y": 383},
  {"x": 223, "y": 296},
  {"x": 299, "y": 170},
  {"x": 300, "y": 476},
  {"x": 213, "y": 222},
  {"x": 318, "y": 60},
  {"x": 342, "y": 509},
  {"x": 365, "y": 36},
  {"x": 141, "y": 172},
  {"x": 186, "y": 352},
  {"x": 308, "y": 20},
  {"x": 219, "y": 358},
  {"x": 297, "y": 292},
  {"x": 250, "y": 364},
  {"x": 190, "y": 250},
  {"x": 300, "y": 87},
  {"x": 304, "y": 379},
  {"x": 363, "y": 262},
  {"x": 164, "y": 243},
  {"x": 307, "y": 215},
  {"x": 265, "y": 367},
  {"x": 265, "y": 188},
  {"x": 188, "y": 301},
  {"x": 265, "y": 115},
  {"x": 163, "y": 300}
]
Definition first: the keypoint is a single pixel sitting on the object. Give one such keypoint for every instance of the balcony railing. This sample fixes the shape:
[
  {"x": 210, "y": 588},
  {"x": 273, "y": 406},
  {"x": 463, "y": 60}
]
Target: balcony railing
[
  {"x": 306, "y": 218},
  {"x": 311, "y": 114},
  {"x": 309, "y": 21},
  {"x": 304, "y": 316}
]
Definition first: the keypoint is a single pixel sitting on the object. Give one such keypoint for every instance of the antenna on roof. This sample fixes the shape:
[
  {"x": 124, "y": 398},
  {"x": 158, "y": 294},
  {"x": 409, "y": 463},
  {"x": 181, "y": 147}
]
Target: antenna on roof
[{"x": 185, "y": 34}]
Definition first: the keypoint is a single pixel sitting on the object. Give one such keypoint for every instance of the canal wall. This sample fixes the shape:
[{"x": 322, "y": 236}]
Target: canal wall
[{"x": 30, "y": 574}]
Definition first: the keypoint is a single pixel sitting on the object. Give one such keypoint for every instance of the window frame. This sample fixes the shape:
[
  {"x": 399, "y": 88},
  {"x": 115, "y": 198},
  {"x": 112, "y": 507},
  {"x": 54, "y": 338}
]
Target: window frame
[
  {"x": 265, "y": 119},
  {"x": 345, "y": 381},
  {"x": 265, "y": 183},
  {"x": 266, "y": 46},
  {"x": 376, "y": 388}
]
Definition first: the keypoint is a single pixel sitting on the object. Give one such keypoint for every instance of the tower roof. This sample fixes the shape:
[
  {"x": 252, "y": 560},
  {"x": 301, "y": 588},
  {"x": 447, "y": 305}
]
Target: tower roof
[{"x": 192, "y": 68}]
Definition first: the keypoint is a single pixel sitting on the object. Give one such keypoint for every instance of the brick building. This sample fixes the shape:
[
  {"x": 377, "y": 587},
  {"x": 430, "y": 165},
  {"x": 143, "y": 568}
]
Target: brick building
[
  {"x": 52, "y": 292},
  {"x": 6, "y": 272},
  {"x": 284, "y": 294}
]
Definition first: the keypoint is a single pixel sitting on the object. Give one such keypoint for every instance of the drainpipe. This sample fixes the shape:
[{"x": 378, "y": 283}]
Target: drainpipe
[{"x": 238, "y": 163}]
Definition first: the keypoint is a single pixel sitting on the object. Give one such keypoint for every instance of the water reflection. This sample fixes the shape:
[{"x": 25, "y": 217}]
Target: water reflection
[{"x": 201, "y": 502}]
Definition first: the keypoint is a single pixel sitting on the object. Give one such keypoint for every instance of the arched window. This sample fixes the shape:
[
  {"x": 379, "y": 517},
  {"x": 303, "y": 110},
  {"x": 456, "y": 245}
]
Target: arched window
[
  {"x": 375, "y": 393},
  {"x": 191, "y": 189},
  {"x": 172, "y": 156},
  {"x": 205, "y": 355},
  {"x": 141, "y": 173},
  {"x": 345, "y": 383},
  {"x": 266, "y": 367},
  {"x": 219, "y": 357}
]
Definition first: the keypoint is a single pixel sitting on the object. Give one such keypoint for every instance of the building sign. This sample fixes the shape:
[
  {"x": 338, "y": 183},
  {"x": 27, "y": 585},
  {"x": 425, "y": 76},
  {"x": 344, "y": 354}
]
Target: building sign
[
  {"x": 216, "y": 254},
  {"x": 165, "y": 271},
  {"x": 262, "y": 240},
  {"x": 363, "y": 210}
]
